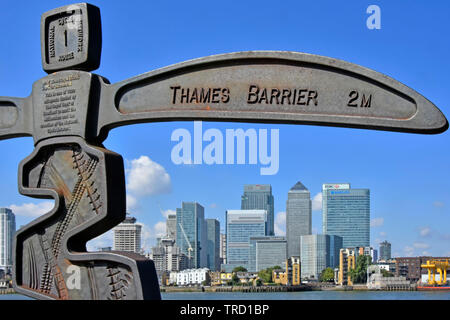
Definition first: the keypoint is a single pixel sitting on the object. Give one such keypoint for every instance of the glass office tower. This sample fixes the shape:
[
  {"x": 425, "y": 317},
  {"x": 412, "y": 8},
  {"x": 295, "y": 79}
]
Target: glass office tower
[
  {"x": 385, "y": 251},
  {"x": 318, "y": 252},
  {"x": 266, "y": 252},
  {"x": 298, "y": 217},
  {"x": 346, "y": 213},
  {"x": 259, "y": 196},
  {"x": 213, "y": 240},
  {"x": 241, "y": 225},
  {"x": 7, "y": 230},
  {"x": 191, "y": 233}
]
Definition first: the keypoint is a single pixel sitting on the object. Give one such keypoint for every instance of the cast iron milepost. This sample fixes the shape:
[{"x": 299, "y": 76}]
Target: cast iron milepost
[{"x": 70, "y": 112}]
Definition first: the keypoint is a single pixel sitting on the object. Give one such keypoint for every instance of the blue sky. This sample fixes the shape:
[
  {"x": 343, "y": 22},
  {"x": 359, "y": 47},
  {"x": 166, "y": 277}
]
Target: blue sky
[{"x": 407, "y": 174}]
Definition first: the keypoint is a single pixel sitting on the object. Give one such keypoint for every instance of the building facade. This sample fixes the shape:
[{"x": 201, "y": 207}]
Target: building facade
[
  {"x": 347, "y": 261},
  {"x": 385, "y": 251},
  {"x": 266, "y": 252},
  {"x": 167, "y": 257},
  {"x": 241, "y": 225},
  {"x": 127, "y": 236},
  {"x": 213, "y": 241},
  {"x": 223, "y": 248},
  {"x": 318, "y": 252},
  {"x": 7, "y": 231},
  {"x": 192, "y": 277},
  {"x": 346, "y": 213},
  {"x": 298, "y": 217},
  {"x": 259, "y": 196},
  {"x": 410, "y": 267},
  {"x": 191, "y": 233},
  {"x": 171, "y": 226}
]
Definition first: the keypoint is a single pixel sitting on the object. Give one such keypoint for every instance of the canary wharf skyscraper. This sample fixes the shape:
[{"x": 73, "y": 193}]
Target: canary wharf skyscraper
[
  {"x": 298, "y": 217},
  {"x": 346, "y": 213},
  {"x": 259, "y": 196},
  {"x": 191, "y": 233},
  {"x": 7, "y": 230}
]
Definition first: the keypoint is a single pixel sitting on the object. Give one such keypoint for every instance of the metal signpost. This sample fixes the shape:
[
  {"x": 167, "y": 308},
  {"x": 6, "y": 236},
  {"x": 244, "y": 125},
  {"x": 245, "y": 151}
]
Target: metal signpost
[{"x": 70, "y": 112}]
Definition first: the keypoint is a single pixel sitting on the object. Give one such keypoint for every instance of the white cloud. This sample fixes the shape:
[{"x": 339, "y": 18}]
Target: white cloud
[
  {"x": 213, "y": 205},
  {"x": 149, "y": 235},
  {"x": 131, "y": 202},
  {"x": 409, "y": 251},
  {"x": 32, "y": 209},
  {"x": 102, "y": 241},
  {"x": 383, "y": 234},
  {"x": 160, "y": 229},
  {"x": 317, "y": 202},
  {"x": 421, "y": 245},
  {"x": 280, "y": 224},
  {"x": 166, "y": 213},
  {"x": 376, "y": 222},
  {"x": 146, "y": 177},
  {"x": 438, "y": 204},
  {"x": 425, "y": 231}
]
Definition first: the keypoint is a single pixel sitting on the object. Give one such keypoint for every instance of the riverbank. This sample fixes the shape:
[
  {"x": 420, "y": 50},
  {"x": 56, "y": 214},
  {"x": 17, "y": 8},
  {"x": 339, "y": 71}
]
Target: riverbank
[{"x": 305, "y": 287}]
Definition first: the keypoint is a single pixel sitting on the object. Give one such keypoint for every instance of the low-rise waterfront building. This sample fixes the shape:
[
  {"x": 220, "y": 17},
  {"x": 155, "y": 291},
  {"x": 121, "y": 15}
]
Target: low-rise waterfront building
[
  {"x": 190, "y": 277},
  {"x": 293, "y": 272},
  {"x": 347, "y": 261},
  {"x": 410, "y": 267},
  {"x": 377, "y": 281}
]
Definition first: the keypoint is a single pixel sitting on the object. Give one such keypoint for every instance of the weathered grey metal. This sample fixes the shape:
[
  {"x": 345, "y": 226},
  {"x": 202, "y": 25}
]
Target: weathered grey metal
[
  {"x": 70, "y": 165},
  {"x": 87, "y": 183},
  {"x": 70, "y": 112},
  {"x": 270, "y": 86},
  {"x": 71, "y": 38}
]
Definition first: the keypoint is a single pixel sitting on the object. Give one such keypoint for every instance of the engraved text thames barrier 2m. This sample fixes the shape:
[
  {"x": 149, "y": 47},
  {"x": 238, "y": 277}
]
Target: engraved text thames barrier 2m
[{"x": 70, "y": 112}]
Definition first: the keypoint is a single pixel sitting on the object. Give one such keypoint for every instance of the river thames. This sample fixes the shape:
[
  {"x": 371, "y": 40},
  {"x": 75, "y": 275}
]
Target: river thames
[{"x": 304, "y": 295}]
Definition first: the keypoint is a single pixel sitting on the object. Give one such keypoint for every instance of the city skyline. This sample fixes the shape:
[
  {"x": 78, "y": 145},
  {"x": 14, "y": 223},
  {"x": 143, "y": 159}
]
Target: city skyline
[{"x": 392, "y": 165}]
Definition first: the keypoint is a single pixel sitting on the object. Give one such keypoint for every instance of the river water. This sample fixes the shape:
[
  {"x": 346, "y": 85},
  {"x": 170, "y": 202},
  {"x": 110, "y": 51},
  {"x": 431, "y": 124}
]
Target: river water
[{"x": 303, "y": 295}]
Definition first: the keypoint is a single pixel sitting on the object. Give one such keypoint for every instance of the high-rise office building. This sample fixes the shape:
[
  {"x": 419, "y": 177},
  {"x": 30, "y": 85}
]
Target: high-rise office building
[
  {"x": 171, "y": 226},
  {"x": 346, "y": 213},
  {"x": 213, "y": 240},
  {"x": 240, "y": 226},
  {"x": 385, "y": 251},
  {"x": 298, "y": 217},
  {"x": 7, "y": 230},
  {"x": 259, "y": 196},
  {"x": 127, "y": 236},
  {"x": 318, "y": 252},
  {"x": 266, "y": 252},
  {"x": 191, "y": 233}
]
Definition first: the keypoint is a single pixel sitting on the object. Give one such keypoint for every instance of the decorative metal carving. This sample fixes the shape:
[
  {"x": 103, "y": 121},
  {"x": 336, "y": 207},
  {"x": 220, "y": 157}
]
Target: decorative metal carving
[{"x": 70, "y": 112}]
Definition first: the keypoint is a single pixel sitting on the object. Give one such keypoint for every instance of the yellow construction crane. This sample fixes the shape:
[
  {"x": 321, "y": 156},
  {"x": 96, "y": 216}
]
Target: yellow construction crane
[{"x": 440, "y": 266}]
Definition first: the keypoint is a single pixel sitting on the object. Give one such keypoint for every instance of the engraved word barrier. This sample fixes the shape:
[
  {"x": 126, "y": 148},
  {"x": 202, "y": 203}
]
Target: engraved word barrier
[{"x": 70, "y": 112}]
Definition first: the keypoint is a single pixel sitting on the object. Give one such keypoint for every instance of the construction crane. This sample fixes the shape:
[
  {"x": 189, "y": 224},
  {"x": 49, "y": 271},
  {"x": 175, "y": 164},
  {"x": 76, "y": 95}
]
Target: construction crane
[
  {"x": 440, "y": 266},
  {"x": 187, "y": 240}
]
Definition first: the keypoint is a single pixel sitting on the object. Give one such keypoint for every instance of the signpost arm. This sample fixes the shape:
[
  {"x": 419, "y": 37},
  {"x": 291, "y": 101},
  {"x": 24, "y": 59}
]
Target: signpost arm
[
  {"x": 269, "y": 87},
  {"x": 16, "y": 118}
]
